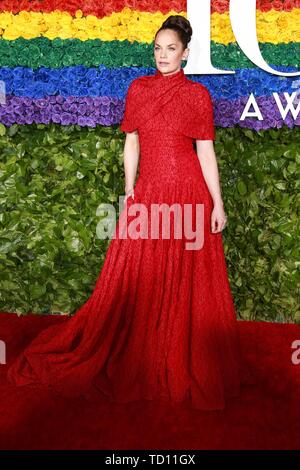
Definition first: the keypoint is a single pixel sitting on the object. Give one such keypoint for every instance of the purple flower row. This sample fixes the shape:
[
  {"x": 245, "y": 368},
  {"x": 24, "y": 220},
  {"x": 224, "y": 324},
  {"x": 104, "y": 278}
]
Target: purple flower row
[
  {"x": 84, "y": 111},
  {"x": 107, "y": 111}
]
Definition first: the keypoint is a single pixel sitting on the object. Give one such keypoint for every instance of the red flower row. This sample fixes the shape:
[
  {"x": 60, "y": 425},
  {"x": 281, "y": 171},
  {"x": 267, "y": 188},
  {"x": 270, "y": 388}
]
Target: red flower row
[{"x": 101, "y": 9}]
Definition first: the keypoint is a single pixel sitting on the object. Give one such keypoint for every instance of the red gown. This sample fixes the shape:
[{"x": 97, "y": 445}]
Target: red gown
[{"x": 160, "y": 323}]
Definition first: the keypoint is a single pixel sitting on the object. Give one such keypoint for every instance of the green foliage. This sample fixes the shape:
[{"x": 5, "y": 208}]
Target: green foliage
[
  {"x": 259, "y": 174},
  {"x": 54, "y": 177}
]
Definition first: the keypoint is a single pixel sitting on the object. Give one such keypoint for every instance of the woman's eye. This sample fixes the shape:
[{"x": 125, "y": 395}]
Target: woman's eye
[{"x": 171, "y": 48}]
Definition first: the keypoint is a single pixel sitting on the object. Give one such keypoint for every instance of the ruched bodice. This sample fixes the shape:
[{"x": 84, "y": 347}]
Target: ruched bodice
[
  {"x": 169, "y": 113},
  {"x": 165, "y": 154}
]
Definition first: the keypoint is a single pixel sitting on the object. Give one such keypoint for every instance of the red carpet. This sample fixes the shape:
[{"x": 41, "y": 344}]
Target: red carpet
[{"x": 266, "y": 416}]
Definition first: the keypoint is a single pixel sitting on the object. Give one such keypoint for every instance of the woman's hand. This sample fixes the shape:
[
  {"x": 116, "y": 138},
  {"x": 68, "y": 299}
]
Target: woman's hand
[
  {"x": 128, "y": 193},
  {"x": 218, "y": 218}
]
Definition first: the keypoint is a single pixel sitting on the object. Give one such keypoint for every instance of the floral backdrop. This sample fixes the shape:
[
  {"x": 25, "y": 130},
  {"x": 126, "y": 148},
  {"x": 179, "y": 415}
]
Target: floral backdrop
[
  {"x": 65, "y": 68},
  {"x": 72, "y": 62}
]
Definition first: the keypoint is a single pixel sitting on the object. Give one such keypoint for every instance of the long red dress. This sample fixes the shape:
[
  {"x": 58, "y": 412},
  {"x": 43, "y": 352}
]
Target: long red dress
[{"x": 160, "y": 323}]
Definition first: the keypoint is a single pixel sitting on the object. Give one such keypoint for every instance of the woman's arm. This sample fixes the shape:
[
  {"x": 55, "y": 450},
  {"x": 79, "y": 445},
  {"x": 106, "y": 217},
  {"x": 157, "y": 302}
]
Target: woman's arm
[
  {"x": 209, "y": 166},
  {"x": 131, "y": 159}
]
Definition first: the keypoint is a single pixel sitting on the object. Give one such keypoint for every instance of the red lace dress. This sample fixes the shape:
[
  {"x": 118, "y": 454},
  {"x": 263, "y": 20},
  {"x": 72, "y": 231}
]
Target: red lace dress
[{"x": 160, "y": 323}]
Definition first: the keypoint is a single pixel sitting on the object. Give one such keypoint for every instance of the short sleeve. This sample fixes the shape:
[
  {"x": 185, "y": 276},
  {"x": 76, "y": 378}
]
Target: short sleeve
[
  {"x": 128, "y": 123},
  {"x": 202, "y": 123}
]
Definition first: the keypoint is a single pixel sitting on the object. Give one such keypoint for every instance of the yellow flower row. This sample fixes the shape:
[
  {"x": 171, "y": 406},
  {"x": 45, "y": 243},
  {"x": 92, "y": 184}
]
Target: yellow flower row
[{"x": 272, "y": 26}]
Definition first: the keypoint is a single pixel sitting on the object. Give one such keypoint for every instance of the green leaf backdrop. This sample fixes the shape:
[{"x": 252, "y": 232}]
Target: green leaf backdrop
[{"x": 54, "y": 177}]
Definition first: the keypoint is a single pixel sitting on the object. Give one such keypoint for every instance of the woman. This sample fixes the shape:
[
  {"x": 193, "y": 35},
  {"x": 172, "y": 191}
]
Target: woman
[{"x": 160, "y": 323}]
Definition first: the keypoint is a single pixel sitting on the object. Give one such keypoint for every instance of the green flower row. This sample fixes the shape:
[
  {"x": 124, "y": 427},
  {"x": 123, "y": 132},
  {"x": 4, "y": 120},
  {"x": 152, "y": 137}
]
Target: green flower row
[{"x": 57, "y": 53}]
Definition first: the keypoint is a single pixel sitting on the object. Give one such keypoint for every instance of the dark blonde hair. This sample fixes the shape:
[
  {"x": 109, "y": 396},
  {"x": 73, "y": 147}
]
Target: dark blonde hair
[{"x": 182, "y": 27}]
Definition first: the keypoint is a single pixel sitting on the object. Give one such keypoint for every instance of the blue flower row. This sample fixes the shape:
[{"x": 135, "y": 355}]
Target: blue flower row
[{"x": 103, "y": 81}]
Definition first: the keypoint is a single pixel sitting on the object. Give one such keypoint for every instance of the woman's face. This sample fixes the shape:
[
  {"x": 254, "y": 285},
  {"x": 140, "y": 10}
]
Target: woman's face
[{"x": 169, "y": 52}]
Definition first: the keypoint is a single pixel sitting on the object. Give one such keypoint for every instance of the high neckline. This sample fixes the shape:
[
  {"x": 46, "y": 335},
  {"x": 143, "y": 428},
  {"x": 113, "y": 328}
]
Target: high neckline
[{"x": 174, "y": 76}]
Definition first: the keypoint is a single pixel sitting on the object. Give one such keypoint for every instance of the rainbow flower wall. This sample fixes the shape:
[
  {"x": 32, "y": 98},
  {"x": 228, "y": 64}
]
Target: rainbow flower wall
[
  {"x": 66, "y": 67},
  {"x": 72, "y": 62}
]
